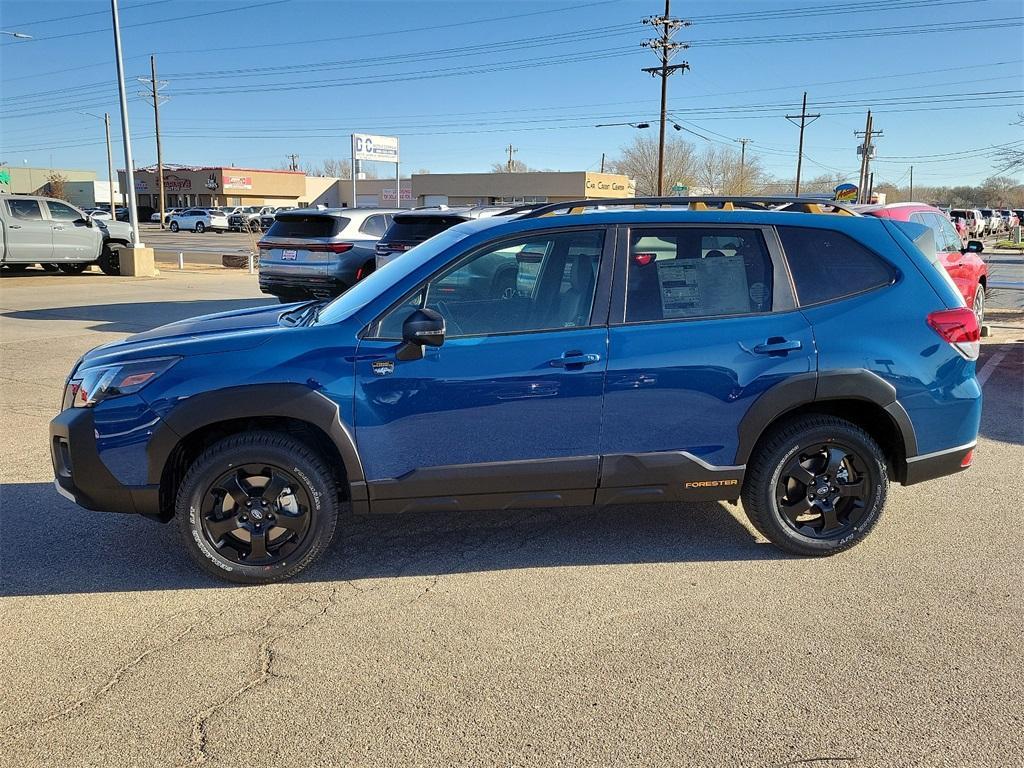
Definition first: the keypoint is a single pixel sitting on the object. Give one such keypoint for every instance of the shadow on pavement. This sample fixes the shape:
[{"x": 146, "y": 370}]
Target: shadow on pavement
[
  {"x": 141, "y": 316},
  {"x": 1002, "y": 415},
  {"x": 53, "y": 547}
]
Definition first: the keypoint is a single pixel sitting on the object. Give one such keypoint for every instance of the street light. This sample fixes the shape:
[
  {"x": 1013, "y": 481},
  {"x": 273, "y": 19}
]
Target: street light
[
  {"x": 631, "y": 125},
  {"x": 110, "y": 160},
  {"x": 19, "y": 35}
]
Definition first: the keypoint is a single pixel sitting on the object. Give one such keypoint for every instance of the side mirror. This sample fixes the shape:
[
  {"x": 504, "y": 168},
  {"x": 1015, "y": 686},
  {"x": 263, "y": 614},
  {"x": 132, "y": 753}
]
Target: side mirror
[
  {"x": 424, "y": 327},
  {"x": 85, "y": 221},
  {"x": 974, "y": 246}
]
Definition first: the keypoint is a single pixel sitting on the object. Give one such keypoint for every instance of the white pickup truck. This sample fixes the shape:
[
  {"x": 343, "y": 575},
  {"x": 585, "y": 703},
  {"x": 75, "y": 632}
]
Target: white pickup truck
[{"x": 41, "y": 230}]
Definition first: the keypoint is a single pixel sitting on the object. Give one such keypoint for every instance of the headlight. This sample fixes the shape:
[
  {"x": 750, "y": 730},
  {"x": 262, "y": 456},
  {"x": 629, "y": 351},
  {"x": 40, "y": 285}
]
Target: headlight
[{"x": 91, "y": 385}]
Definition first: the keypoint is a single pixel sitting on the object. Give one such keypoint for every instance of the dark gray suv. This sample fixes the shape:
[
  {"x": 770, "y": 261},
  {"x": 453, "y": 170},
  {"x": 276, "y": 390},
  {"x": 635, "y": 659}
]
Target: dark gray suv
[{"x": 320, "y": 253}]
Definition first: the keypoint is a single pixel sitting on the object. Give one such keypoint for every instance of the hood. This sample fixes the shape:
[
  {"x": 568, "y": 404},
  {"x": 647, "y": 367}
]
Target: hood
[{"x": 208, "y": 334}]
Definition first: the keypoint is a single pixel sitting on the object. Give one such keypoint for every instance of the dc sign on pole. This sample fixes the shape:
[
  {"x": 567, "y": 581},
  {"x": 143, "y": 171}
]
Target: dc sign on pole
[{"x": 381, "y": 149}]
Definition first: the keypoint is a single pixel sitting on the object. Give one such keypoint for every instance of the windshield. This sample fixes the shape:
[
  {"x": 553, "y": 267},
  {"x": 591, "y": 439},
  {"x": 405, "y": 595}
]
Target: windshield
[{"x": 365, "y": 291}]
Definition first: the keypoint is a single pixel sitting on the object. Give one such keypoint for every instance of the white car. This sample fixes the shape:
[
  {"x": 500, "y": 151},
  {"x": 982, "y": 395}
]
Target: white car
[
  {"x": 199, "y": 220},
  {"x": 97, "y": 214},
  {"x": 168, "y": 212}
]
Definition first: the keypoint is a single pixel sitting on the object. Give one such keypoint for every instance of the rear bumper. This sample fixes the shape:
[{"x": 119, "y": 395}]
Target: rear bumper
[
  {"x": 80, "y": 474},
  {"x": 930, "y": 466},
  {"x": 291, "y": 285}
]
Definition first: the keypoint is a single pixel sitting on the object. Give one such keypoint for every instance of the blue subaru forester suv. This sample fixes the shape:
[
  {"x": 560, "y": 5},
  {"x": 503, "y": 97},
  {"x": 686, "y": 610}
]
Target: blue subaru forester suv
[{"x": 594, "y": 352}]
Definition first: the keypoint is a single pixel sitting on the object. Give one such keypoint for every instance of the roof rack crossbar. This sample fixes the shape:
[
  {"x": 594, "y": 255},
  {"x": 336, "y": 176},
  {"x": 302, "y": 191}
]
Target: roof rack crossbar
[{"x": 750, "y": 203}]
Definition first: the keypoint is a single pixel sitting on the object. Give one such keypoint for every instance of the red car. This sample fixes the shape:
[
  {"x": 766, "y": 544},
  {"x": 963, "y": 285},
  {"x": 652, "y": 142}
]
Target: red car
[{"x": 963, "y": 263}]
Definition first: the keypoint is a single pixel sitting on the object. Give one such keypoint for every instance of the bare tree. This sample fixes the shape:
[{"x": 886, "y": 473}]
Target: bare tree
[
  {"x": 1011, "y": 158},
  {"x": 516, "y": 166},
  {"x": 341, "y": 169},
  {"x": 55, "y": 185},
  {"x": 639, "y": 161}
]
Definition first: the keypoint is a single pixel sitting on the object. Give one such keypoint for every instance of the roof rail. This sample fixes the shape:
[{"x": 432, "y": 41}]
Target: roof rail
[{"x": 770, "y": 203}]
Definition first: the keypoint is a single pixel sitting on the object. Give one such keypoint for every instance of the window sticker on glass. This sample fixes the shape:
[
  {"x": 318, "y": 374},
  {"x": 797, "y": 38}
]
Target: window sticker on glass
[{"x": 708, "y": 286}]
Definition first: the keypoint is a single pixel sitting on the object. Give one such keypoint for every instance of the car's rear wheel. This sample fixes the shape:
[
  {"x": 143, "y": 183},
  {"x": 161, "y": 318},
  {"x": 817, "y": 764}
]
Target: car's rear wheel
[
  {"x": 109, "y": 261},
  {"x": 979, "y": 304},
  {"x": 73, "y": 269},
  {"x": 816, "y": 485},
  {"x": 174, "y": 226},
  {"x": 200, "y": 227},
  {"x": 257, "y": 507}
]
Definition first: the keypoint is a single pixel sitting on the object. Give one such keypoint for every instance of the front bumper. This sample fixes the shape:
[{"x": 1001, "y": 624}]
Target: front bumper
[{"x": 80, "y": 474}]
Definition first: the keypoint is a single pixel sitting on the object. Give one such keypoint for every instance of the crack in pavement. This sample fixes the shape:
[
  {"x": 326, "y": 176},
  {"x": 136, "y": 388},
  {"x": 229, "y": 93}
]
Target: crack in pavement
[{"x": 265, "y": 671}]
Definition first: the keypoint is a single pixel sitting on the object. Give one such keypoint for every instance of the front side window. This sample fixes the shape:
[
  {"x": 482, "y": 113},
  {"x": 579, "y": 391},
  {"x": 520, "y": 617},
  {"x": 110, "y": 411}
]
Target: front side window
[
  {"x": 687, "y": 272},
  {"x": 539, "y": 283},
  {"x": 61, "y": 212},
  {"x": 829, "y": 265},
  {"x": 25, "y": 210}
]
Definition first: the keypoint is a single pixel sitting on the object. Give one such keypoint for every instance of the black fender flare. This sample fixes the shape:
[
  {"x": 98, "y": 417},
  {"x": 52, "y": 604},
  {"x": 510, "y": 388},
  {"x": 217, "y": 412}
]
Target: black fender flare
[
  {"x": 295, "y": 401},
  {"x": 807, "y": 388}
]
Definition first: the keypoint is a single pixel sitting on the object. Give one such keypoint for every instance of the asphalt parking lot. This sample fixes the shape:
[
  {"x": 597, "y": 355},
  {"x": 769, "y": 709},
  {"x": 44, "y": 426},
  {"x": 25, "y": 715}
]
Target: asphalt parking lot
[{"x": 647, "y": 635}]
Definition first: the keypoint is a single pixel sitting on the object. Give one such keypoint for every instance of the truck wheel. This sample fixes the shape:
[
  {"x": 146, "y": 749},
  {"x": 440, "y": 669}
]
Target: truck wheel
[
  {"x": 73, "y": 269},
  {"x": 816, "y": 485},
  {"x": 109, "y": 261},
  {"x": 257, "y": 507}
]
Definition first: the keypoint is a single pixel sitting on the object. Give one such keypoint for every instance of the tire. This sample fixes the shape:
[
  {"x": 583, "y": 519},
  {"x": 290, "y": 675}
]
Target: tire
[
  {"x": 200, "y": 227},
  {"x": 304, "y": 493},
  {"x": 109, "y": 261},
  {"x": 978, "y": 306},
  {"x": 73, "y": 269},
  {"x": 174, "y": 226},
  {"x": 809, "y": 446}
]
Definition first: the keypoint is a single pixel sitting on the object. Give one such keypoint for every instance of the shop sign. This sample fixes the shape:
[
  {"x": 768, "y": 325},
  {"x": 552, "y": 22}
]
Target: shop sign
[
  {"x": 174, "y": 183},
  {"x": 846, "y": 193},
  {"x": 389, "y": 194},
  {"x": 383, "y": 149},
  {"x": 237, "y": 182}
]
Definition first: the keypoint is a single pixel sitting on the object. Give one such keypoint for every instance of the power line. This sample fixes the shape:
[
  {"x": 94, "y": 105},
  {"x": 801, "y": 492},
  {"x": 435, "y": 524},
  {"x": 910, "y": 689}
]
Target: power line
[{"x": 77, "y": 16}]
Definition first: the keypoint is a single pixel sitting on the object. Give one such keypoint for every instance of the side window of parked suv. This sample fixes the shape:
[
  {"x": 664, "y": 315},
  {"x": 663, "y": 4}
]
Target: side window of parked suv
[
  {"x": 527, "y": 284},
  {"x": 688, "y": 272},
  {"x": 828, "y": 265}
]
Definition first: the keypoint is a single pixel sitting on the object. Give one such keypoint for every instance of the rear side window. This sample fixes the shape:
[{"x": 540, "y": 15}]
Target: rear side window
[
  {"x": 375, "y": 226},
  {"x": 416, "y": 229},
  {"x": 828, "y": 265},
  {"x": 307, "y": 226},
  {"x": 26, "y": 210},
  {"x": 688, "y": 272}
]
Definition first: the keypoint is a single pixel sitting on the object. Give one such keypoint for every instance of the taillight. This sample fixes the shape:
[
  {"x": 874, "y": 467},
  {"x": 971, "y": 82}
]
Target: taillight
[
  {"x": 967, "y": 459},
  {"x": 329, "y": 247},
  {"x": 958, "y": 327}
]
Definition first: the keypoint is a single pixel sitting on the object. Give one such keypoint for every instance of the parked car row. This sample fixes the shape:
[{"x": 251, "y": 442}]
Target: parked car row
[{"x": 984, "y": 222}]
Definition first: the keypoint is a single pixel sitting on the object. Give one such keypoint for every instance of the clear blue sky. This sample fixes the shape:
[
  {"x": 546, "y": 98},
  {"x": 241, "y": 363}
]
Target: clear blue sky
[{"x": 536, "y": 74}]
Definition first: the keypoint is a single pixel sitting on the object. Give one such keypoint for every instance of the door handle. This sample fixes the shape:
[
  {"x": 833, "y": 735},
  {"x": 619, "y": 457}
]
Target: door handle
[
  {"x": 58, "y": 229},
  {"x": 777, "y": 346},
  {"x": 15, "y": 226},
  {"x": 574, "y": 359}
]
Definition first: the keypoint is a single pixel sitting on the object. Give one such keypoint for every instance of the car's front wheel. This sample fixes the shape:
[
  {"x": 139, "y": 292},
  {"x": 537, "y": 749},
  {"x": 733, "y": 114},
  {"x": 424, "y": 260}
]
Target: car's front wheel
[
  {"x": 109, "y": 261},
  {"x": 257, "y": 507},
  {"x": 816, "y": 485},
  {"x": 174, "y": 226},
  {"x": 979, "y": 304}
]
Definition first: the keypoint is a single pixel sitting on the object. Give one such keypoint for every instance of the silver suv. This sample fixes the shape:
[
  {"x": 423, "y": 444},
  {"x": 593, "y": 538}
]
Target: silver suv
[{"x": 320, "y": 253}]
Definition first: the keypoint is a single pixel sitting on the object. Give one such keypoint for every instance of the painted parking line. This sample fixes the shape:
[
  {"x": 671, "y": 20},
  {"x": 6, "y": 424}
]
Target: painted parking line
[{"x": 992, "y": 363}]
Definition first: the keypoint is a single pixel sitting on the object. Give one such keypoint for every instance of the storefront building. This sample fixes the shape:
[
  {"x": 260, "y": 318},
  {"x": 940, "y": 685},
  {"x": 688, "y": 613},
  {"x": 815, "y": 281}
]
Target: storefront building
[{"x": 186, "y": 186}]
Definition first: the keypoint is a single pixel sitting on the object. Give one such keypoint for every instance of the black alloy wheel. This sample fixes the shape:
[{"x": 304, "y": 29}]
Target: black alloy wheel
[
  {"x": 256, "y": 514},
  {"x": 257, "y": 507},
  {"x": 815, "y": 484},
  {"x": 821, "y": 491}
]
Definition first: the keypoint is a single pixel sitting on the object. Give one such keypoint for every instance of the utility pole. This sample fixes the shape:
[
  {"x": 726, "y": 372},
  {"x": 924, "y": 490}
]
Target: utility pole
[
  {"x": 867, "y": 149},
  {"x": 666, "y": 49},
  {"x": 154, "y": 98},
  {"x": 129, "y": 171},
  {"x": 800, "y": 151},
  {"x": 602, "y": 162},
  {"x": 294, "y": 164},
  {"x": 743, "y": 162},
  {"x": 911, "y": 184},
  {"x": 511, "y": 151}
]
